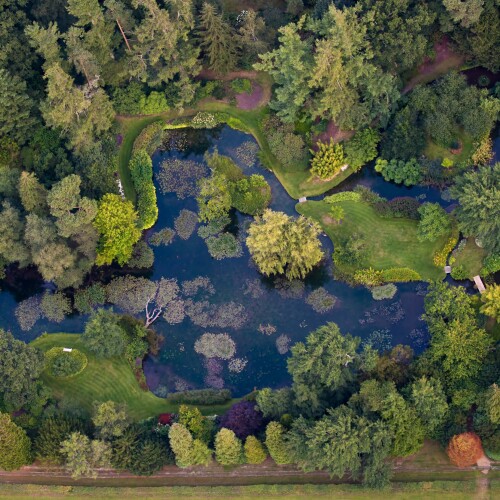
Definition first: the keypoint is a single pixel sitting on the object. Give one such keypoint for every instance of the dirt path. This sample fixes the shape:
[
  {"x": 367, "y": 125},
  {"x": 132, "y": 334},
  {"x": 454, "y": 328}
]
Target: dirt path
[
  {"x": 444, "y": 60},
  {"x": 333, "y": 132}
]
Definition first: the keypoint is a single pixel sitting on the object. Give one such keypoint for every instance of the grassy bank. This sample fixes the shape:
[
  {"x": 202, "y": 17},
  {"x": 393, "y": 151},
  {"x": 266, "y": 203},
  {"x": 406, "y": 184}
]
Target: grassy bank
[
  {"x": 389, "y": 242},
  {"x": 106, "y": 379},
  {"x": 471, "y": 258}
]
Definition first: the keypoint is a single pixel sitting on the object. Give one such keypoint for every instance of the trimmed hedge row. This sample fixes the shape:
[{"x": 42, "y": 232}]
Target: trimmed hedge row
[
  {"x": 141, "y": 170},
  {"x": 201, "y": 396},
  {"x": 343, "y": 196},
  {"x": 400, "y": 274}
]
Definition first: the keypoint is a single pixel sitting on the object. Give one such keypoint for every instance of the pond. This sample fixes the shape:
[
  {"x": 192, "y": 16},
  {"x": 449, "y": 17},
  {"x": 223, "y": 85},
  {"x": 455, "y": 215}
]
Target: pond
[{"x": 267, "y": 316}]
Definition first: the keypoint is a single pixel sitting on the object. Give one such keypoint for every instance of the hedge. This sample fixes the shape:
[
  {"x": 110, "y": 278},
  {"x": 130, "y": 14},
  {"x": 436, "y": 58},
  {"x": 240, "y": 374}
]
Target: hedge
[
  {"x": 400, "y": 274},
  {"x": 141, "y": 170},
  {"x": 52, "y": 354},
  {"x": 150, "y": 138},
  {"x": 343, "y": 196},
  {"x": 201, "y": 396}
]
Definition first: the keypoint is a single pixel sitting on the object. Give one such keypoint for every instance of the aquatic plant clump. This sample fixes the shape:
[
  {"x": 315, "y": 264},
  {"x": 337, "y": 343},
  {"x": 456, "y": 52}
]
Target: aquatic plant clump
[
  {"x": 162, "y": 237},
  {"x": 181, "y": 177},
  {"x": 175, "y": 312},
  {"x": 215, "y": 345},
  {"x": 283, "y": 343},
  {"x": 215, "y": 226},
  {"x": 267, "y": 329},
  {"x": 380, "y": 340},
  {"x": 237, "y": 365},
  {"x": 228, "y": 315},
  {"x": 246, "y": 153},
  {"x": 185, "y": 224},
  {"x": 254, "y": 288},
  {"x": 384, "y": 291},
  {"x": 191, "y": 288},
  {"x": 321, "y": 301},
  {"x": 224, "y": 246},
  {"x": 28, "y": 312}
]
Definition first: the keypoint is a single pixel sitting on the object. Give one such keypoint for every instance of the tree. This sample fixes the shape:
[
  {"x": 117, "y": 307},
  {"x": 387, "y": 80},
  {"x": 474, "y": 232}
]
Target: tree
[
  {"x": 276, "y": 444},
  {"x": 55, "y": 306},
  {"x": 429, "y": 401},
  {"x": 52, "y": 432},
  {"x": 150, "y": 455},
  {"x": 110, "y": 419},
  {"x": 217, "y": 40},
  {"x": 493, "y": 403},
  {"x": 400, "y": 171},
  {"x": 228, "y": 449},
  {"x": 14, "y": 443},
  {"x": 21, "y": 366},
  {"x": 251, "y": 35},
  {"x": 195, "y": 422},
  {"x": 32, "y": 193},
  {"x": 362, "y": 148},
  {"x": 322, "y": 367},
  {"x": 280, "y": 244},
  {"x": 116, "y": 222},
  {"x": 15, "y": 108},
  {"x": 465, "y": 449},
  {"x": 83, "y": 456},
  {"x": 214, "y": 199},
  {"x": 181, "y": 442},
  {"x": 254, "y": 451},
  {"x": 103, "y": 335},
  {"x": 466, "y": 13},
  {"x": 46, "y": 42},
  {"x": 290, "y": 66},
  {"x": 12, "y": 246},
  {"x": 243, "y": 419},
  {"x": 491, "y": 302},
  {"x": 327, "y": 160},
  {"x": 478, "y": 212},
  {"x": 274, "y": 403},
  {"x": 434, "y": 222}
]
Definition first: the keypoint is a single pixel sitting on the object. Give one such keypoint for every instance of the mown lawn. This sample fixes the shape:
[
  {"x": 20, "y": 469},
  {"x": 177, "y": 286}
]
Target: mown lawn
[
  {"x": 435, "y": 152},
  {"x": 389, "y": 242},
  {"x": 471, "y": 257},
  {"x": 104, "y": 380}
]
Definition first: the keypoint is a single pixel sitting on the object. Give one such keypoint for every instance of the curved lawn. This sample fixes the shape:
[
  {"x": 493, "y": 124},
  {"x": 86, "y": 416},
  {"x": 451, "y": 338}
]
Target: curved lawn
[
  {"x": 104, "y": 380},
  {"x": 390, "y": 242}
]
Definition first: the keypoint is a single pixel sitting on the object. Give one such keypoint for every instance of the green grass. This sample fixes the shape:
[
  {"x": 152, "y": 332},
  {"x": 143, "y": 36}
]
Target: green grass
[
  {"x": 389, "y": 242},
  {"x": 104, "y": 380},
  {"x": 435, "y": 152},
  {"x": 471, "y": 257},
  {"x": 440, "y": 490}
]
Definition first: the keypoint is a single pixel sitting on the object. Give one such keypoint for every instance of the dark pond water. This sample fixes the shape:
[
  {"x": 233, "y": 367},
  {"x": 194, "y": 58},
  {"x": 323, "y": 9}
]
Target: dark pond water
[{"x": 262, "y": 364}]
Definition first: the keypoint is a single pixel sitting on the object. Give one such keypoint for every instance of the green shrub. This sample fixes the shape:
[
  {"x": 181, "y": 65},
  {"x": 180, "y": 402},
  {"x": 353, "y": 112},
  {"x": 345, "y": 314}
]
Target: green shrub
[
  {"x": 491, "y": 264},
  {"x": 241, "y": 85},
  {"x": 203, "y": 119},
  {"x": 155, "y": 102},
  {"x": 327, "y": 160},
  {"x": 141, "y": 170},
  {"x": 400, "y": 274},
  {"x": 210, "y": 88},
  {"x": 362, "y": 148},
  {"x": 382, "y": 292},
  {"x": 459, "y": 273},
  {"x": 201, "y": 397},
  {"x": 251, "y": 195},
  {"x": 407, "y": 172},
  {"x": 150, "y": 138},
  {"x": 126, "y": 101},
  {"x": 369, "y": 277},
  {"x": 343, "y": 196},
  {"x": 65, "y": 364},
  {"x": 224, "y": 246}
]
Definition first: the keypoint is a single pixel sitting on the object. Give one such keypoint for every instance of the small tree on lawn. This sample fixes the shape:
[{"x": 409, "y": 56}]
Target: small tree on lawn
[
  {"x": 254, "y": 451},
  {"x": 337, "y": 213},
  {"x": 275, "y": 443},
  {"x": 465, "y": 449},
  {"x": 327, "y": 160},
  {"x": 228, "y": 449}
]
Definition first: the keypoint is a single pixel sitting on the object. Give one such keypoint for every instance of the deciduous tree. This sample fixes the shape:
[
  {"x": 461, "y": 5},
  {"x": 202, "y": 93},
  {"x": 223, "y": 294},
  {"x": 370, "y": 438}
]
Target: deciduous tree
[
  {"x": 14, "y": 443},
  {"x": 228, "y": 449}
]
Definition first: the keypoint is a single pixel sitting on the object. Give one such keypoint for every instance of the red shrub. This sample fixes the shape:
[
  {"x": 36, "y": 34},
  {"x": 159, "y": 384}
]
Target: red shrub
[
  {"x": 465, "y": 449},
  {"x": 166, "y": 419}
]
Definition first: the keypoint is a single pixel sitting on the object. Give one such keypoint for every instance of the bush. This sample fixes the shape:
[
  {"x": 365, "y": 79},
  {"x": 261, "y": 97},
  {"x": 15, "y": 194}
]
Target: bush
[
  {"x": 141, "y": 170},
  {"x": 275, "y": 443},
  {"x": 491, "y": 264},
  {"x": 228, "y": 449},
  {"x": 65, "y": 364},
  {"x": 243, "y": 418},
  {"x": 202, "y": 119},
  {"x": 126, "y": 101},
  {"x": 224, "y": 246},
  {"x": 210, "y": 88},
  {"x": 150, "y": 138},
  {"x": 320, "y": 300},
  {"x": 362, "y": 148},
  {"x": 343, "y": 196},
  {"x": 327, "y": 160},
  {"x": 384, "y": 291},
  {"x": 434, "y": 222},
  {"x": 201, "y": 397},
  {"x": 400, "y": 274},
  {"x": 440, "y": 256},
  {"x": 459, "y": 273},
  {"x": 251, "y": 195},
  {"x": 185, "y": 223},
  {"x": 254, "y": 451},
  {"x": 399, "y": 171},
  {"x": 405, "y": 207},
  {"x": 241, "y": 85},
  {"x": 154, "y": 103},
  {"x": 368, "y": 277},
  {"x": 215, "y": 345},
  {"x": 464, "y": 449}
]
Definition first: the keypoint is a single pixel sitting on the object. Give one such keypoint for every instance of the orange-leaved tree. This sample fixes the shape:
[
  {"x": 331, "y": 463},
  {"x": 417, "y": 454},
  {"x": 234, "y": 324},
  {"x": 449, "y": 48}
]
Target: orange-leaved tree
[{"x": 465, "y": 449}]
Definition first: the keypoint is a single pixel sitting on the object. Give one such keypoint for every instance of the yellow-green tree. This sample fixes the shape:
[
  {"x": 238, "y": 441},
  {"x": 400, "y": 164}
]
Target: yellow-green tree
[
  {"x": 491, "y": 302},
  {"x": 228, "y": 449},
  {"x": 14, "y": 443},
  {"x": 327, "y": 160},
  {"x": 254, "y": 451}
]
